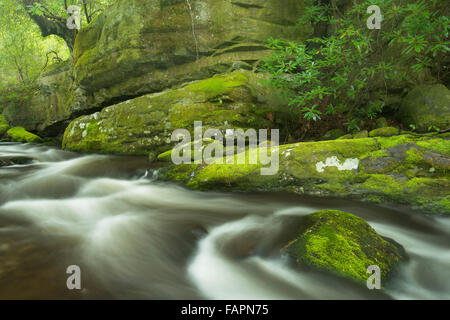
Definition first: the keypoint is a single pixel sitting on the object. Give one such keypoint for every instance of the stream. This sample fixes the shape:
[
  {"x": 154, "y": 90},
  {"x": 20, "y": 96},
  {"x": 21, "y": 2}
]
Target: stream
[{"x": 134, "y": 237}]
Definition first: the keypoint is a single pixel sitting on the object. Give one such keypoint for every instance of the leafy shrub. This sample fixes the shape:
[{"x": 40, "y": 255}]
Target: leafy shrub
[{"x": 338, "y": 73}]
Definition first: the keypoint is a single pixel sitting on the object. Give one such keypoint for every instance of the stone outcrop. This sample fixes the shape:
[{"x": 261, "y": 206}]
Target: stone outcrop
[
  {"x": 142, "y": 46},
  {"x": 404, "y": 169},
  {"x": 137, "y": 47},
  {"x": 426, "y": 106},
  {"x": 144, "y": 125}
]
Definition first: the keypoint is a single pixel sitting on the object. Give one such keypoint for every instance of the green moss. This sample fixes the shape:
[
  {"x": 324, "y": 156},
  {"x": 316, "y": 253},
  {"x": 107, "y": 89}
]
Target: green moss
[
  {"x": 179, "y": 173},
  {"x": 167, "y": 156},
  {"x": 333, "y": 134},
  {"x": 19, "y": 134},
  {"x": 390, "y": 142},
  {"x": 425, "y": 106},
  {"x": 414, "y": 156},
  {"x": 346, "y": 137},
  {"x": 4, "y": 126},
  {"x": 437, "y": 145},
  {"x": 391, "y": 170},
  {"x": 343, "y": 244},
  {"x": 219, "y": 85},
  {"x": 384, "y": 132},
  {"x": 145, "y": 124},
  {"x": 444, "y": 203},
  {"x": 361, "y": 134},
  {"x": 380, "y": 123},
  {"x": 378, "y": 154}
]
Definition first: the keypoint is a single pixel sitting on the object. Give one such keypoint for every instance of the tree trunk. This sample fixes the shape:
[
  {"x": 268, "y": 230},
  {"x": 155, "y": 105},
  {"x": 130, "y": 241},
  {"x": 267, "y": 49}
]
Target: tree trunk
[{"x": 52, "y": 25}]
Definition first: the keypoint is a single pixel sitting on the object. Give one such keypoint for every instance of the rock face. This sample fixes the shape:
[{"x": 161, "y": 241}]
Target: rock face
[
  {"x": 384, "y": 132},
  {"x": 144, "y": 125},
  {"x": 53, "y": 105},
  {"x": 425, "y": 106},
  {"x": 136, "y": 47},
  {"x": 144, "y": 46},
  {"x": 405, "y": 169},
  {"x": 343, "y": 244}
]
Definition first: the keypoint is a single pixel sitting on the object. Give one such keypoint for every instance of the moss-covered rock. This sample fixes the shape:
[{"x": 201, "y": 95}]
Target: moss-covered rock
[
  {"x": 405, "y": 169},
  {"x": 333, "y": 134},
  {"x": 361, "y": 134},
  {"x": 343, "y": 244},
  {"x": 19, "y": 134},
  {"x": 144, "y": 125},
  {"x": 4, "y": 125},
  {"x": 384, "y": 132},
  {"x": 426, "y": 106},
  {"x": 380, "y": 123},
  {"x": 346, "y": 136},
  {"x": 50, "y": 106},
  {"x": 144, "y": 46},
  {"x": 167, "y": 156}
]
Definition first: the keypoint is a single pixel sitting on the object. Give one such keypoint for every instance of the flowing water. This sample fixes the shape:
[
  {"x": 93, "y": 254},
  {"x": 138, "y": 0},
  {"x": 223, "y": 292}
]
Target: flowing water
[{"x": 136, "y": 238}]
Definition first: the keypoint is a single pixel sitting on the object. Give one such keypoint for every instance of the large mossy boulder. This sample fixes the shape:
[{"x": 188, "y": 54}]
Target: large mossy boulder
[
  {"x": 144, "y": 46},
  {"x": 144, "y": 125},
  {"x": 343, "y": 244},
  {"x": 405, "y": 169},
  {"x": 426, "y": 106}
]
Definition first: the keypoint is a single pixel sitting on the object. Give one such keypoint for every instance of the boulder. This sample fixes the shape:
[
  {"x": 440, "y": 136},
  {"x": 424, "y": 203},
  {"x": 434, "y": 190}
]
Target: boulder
[
  {"x": 361, "y": 134},
  {"x": 343, "y": 244},
  {"x": 333, "y": 134},
  {"x": 346, "y": 137},
  {"x": 404, "y": 169},
  {"x": 167, "y": 156},
  {"x": 137, "y": 47},
  {"x": 426, "y": 106},
  {"x": 144, "y": 125},
  {"x": 144, "y": 46},
  {"x": 380, "y": 123},
  {"x": 384, "y": 132}
]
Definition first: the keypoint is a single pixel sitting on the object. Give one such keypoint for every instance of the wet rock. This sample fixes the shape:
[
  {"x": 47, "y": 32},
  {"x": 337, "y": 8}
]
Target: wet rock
[
  {"x": 382, "y": 169},
  {"x": 426, "y": 106},
  {"x": 343, "y": 244},
  {"x": 384, "y": 132}
]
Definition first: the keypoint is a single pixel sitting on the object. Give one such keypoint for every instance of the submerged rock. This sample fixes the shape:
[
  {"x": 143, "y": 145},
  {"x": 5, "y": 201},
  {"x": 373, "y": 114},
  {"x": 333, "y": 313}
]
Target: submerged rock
[
  {"x": 426, "y": 106},
  {"x": 343, "y": 244},
  {"x": 404, "y": 169}
]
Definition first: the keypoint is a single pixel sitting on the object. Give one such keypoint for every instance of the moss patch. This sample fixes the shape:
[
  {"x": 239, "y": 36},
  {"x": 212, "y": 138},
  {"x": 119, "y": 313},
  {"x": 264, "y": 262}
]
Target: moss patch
[
  {"x": 384, "y": 132},
  {"x": 19, "y": 134}
]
